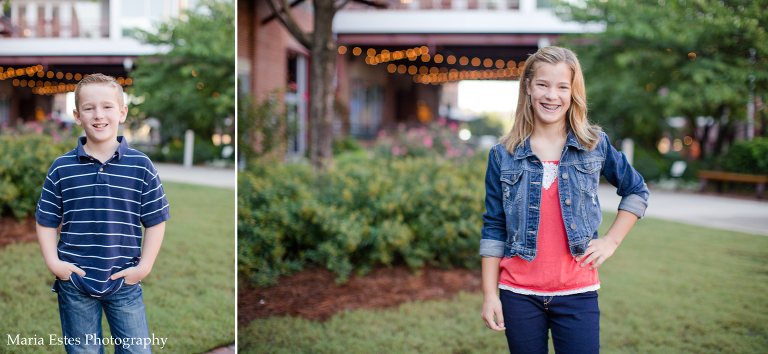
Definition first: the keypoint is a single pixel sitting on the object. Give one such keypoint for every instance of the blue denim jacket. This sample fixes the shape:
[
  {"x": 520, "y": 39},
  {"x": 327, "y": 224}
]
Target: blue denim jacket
[{"x": 513, "y": 195}]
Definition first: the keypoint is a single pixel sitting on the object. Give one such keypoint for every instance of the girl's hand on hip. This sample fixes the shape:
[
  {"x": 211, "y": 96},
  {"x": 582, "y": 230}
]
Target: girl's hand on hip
[
  {"x": 598, "y": 251},
  {"x": 491, "y": 308}
]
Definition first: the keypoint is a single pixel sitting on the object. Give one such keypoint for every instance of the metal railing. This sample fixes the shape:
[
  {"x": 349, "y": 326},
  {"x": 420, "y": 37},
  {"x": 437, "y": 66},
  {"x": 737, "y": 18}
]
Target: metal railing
[{"x": 58, "y": 19}]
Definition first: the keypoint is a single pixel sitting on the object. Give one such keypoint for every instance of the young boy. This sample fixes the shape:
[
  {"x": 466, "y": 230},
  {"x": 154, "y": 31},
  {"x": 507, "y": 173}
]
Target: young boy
[{"x": 101, "y": 193}]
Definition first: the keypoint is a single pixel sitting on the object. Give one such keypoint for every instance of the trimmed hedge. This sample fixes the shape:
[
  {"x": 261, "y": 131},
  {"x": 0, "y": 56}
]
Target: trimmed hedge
[
  {"x": 360, "y": 213},
  {"x": 746, "y": 157},
  {"x": 23, "y": 165}
]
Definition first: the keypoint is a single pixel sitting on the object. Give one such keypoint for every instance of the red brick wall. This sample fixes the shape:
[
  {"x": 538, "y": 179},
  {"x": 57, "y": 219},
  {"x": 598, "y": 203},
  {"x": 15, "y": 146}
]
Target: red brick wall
[
  {"x": 267, "y": 45},
  {"x": 245, "y": 23}
]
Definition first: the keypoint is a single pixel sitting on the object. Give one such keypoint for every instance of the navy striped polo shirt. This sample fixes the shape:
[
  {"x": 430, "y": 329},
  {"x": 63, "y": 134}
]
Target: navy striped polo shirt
[{"x": 101, "y": 207}]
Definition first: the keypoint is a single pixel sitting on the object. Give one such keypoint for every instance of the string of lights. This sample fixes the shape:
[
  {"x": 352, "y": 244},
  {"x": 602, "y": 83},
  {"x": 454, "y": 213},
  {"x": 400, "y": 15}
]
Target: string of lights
[
  {"x": 422, "y": 52},
  {"x": 456, "y": 75},
  {"x": 495, "y": 69},
  {"x": 43, "y": 86}
]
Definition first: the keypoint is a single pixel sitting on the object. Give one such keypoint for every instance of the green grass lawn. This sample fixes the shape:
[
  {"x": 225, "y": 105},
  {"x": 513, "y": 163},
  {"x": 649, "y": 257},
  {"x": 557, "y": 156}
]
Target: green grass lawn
[
  {"x": 189, "y": 296},
  {"x": 669, "y": 288}
]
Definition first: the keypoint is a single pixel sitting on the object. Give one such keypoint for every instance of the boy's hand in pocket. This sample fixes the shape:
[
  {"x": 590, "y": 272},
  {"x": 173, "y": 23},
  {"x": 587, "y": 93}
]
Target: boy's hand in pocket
[
  {"x": 63, "y": 270},
  {"x": 132, "y": 275}
]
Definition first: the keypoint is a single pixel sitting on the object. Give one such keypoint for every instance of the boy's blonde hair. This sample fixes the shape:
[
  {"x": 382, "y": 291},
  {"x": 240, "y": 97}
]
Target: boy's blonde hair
[
  {"x": 98, "y": 79},
  {"x": 576, "y": 117}
]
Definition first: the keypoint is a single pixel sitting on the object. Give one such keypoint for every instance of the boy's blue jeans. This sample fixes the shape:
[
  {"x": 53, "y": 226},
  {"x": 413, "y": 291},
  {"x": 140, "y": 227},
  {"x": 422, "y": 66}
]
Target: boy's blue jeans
[
  {"x": 573, "y": 319},
  {"x": 81, "y": 320}
]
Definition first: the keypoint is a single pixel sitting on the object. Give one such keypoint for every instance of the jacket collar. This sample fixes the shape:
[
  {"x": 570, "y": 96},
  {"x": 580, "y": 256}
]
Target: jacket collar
[{"x": 524, "y": 150}]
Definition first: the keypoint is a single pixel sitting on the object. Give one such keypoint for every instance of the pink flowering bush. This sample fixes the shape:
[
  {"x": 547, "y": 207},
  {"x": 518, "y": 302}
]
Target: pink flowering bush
[{"x": 439, "y": 139}]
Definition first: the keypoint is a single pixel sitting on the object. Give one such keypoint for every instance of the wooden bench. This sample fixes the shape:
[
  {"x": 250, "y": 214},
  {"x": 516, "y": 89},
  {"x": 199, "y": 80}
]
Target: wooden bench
[{"x": 719, "y": 177}]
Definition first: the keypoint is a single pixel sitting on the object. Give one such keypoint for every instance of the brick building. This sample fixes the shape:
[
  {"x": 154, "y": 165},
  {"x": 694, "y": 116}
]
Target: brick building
[{"x": 270, "y": 61}]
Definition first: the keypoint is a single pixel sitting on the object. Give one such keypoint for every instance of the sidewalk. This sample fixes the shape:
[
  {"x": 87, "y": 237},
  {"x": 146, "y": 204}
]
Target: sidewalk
[
  {"x": 717, "y": 212},
  {"x": 201, "y": 175}
]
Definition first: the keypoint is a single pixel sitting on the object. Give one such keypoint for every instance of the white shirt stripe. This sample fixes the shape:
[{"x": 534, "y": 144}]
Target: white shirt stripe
[
  {"x": 138, "y": 179},
  {"x": 51, "y": 192},
  {"x": 96, "y": 233},
  {"x": 50, "y": 203},
  {"x": 63, "y": 178},
  {"x": 100, "y": 222},
  {"x": 108, "y": 185},
  {"x": 141, "y": 167},
  {"x": 125, "y": 200},
  {"x": 155, "y": 211},
  {"x": 77, "y": 255},
  {"x": 116, "y": 210},
  {"x": 74, "y": 164},
  {"x": 111, "y": 246},
  {"x": 154, "y": 200}
]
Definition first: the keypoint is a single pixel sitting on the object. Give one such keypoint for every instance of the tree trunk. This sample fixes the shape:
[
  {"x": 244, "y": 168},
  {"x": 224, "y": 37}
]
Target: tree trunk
[
  {"x": 322, "y": 85},
  {"x": 724, "y": 132}
]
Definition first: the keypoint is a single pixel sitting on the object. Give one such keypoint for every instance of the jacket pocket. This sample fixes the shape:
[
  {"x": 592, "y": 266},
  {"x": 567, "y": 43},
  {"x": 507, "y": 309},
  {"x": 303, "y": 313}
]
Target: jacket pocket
[
  {"x": 510, "y": 187},
  {"x": 588, "y": 174}
]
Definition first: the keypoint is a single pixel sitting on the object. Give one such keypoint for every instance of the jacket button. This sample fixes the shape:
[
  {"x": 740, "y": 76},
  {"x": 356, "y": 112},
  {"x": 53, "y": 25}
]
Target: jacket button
[
  {"x": 565, "y": 175},
  {"x": 101, "y": 169},
  {"x": 579, "y": 249},
  {"x": 573, "y": 226},
  {"x": 567, "y": 202}
]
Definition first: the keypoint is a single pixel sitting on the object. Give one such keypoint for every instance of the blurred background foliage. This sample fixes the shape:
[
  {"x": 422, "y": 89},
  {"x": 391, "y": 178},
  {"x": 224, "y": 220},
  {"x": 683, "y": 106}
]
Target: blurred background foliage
[
  {"x": 263, "y": 129},
  {"x": 192, "y": 86},
  {"x": 415, "y": 193},
  {"x": 673, "y": 58},
  {"x": 28, "y": 151},
  {"x": 413, "y": 196}
]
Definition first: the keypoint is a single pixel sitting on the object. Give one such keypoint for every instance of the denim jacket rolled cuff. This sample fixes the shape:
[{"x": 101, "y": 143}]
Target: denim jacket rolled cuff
[
  {"x": 492, "y": 248},
  {"x": 634, "y": 204}
]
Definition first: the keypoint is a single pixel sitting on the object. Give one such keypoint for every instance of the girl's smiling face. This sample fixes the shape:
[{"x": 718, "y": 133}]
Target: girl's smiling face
[{"x": 550, "y": 91}]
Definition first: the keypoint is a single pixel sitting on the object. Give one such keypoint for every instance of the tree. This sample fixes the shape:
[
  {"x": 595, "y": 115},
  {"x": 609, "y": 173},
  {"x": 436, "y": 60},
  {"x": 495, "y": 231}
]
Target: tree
[
  {"x": 666, "y": 58},
  {"x": 323, "y": 49},
  {"x": 192, "y": 86}
]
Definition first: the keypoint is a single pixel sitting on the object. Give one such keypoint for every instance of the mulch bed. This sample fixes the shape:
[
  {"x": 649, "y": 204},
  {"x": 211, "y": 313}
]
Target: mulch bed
[
  {"x": 313, "y": 294},
  {"x": 11, "y": 230}
]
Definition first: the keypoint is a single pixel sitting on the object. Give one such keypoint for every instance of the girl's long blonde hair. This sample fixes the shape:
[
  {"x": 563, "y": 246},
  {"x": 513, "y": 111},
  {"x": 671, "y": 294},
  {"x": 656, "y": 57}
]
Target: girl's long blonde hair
[{"x": 576, "y": 117}]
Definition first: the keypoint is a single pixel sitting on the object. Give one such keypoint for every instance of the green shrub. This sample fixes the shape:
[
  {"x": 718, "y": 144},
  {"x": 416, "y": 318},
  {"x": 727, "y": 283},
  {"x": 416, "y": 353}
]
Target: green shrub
[
  {"x": 359, "y": 214},
  {"x": 264, "y": 128},
  {"x": 23, "y": 165},
  {"x": 749, "y": 157},
  {"x": 347, "y": 143},
  {"x": 203, "y": 151},
  {"x": 651, "y": 164}
]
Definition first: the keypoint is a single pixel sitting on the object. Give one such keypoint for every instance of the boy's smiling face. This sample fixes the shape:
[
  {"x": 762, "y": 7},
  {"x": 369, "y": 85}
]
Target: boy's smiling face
[{"x": 100, "y": 112}]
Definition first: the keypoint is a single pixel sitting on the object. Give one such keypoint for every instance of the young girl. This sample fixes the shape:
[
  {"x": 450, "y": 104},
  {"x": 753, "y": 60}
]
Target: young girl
[{"x": 539, "y": 244}]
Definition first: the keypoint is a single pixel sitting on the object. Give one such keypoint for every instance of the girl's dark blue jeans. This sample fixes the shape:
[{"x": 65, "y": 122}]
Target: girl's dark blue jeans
[{"x": 573, "y": 319}]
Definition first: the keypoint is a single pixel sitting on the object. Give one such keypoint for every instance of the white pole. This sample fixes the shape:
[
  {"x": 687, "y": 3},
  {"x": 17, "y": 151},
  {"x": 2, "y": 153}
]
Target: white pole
[
  {"x": 628, "y": 148},
  {"x": 189, "y": 146},
  {"x": 751, "y": 104}
]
